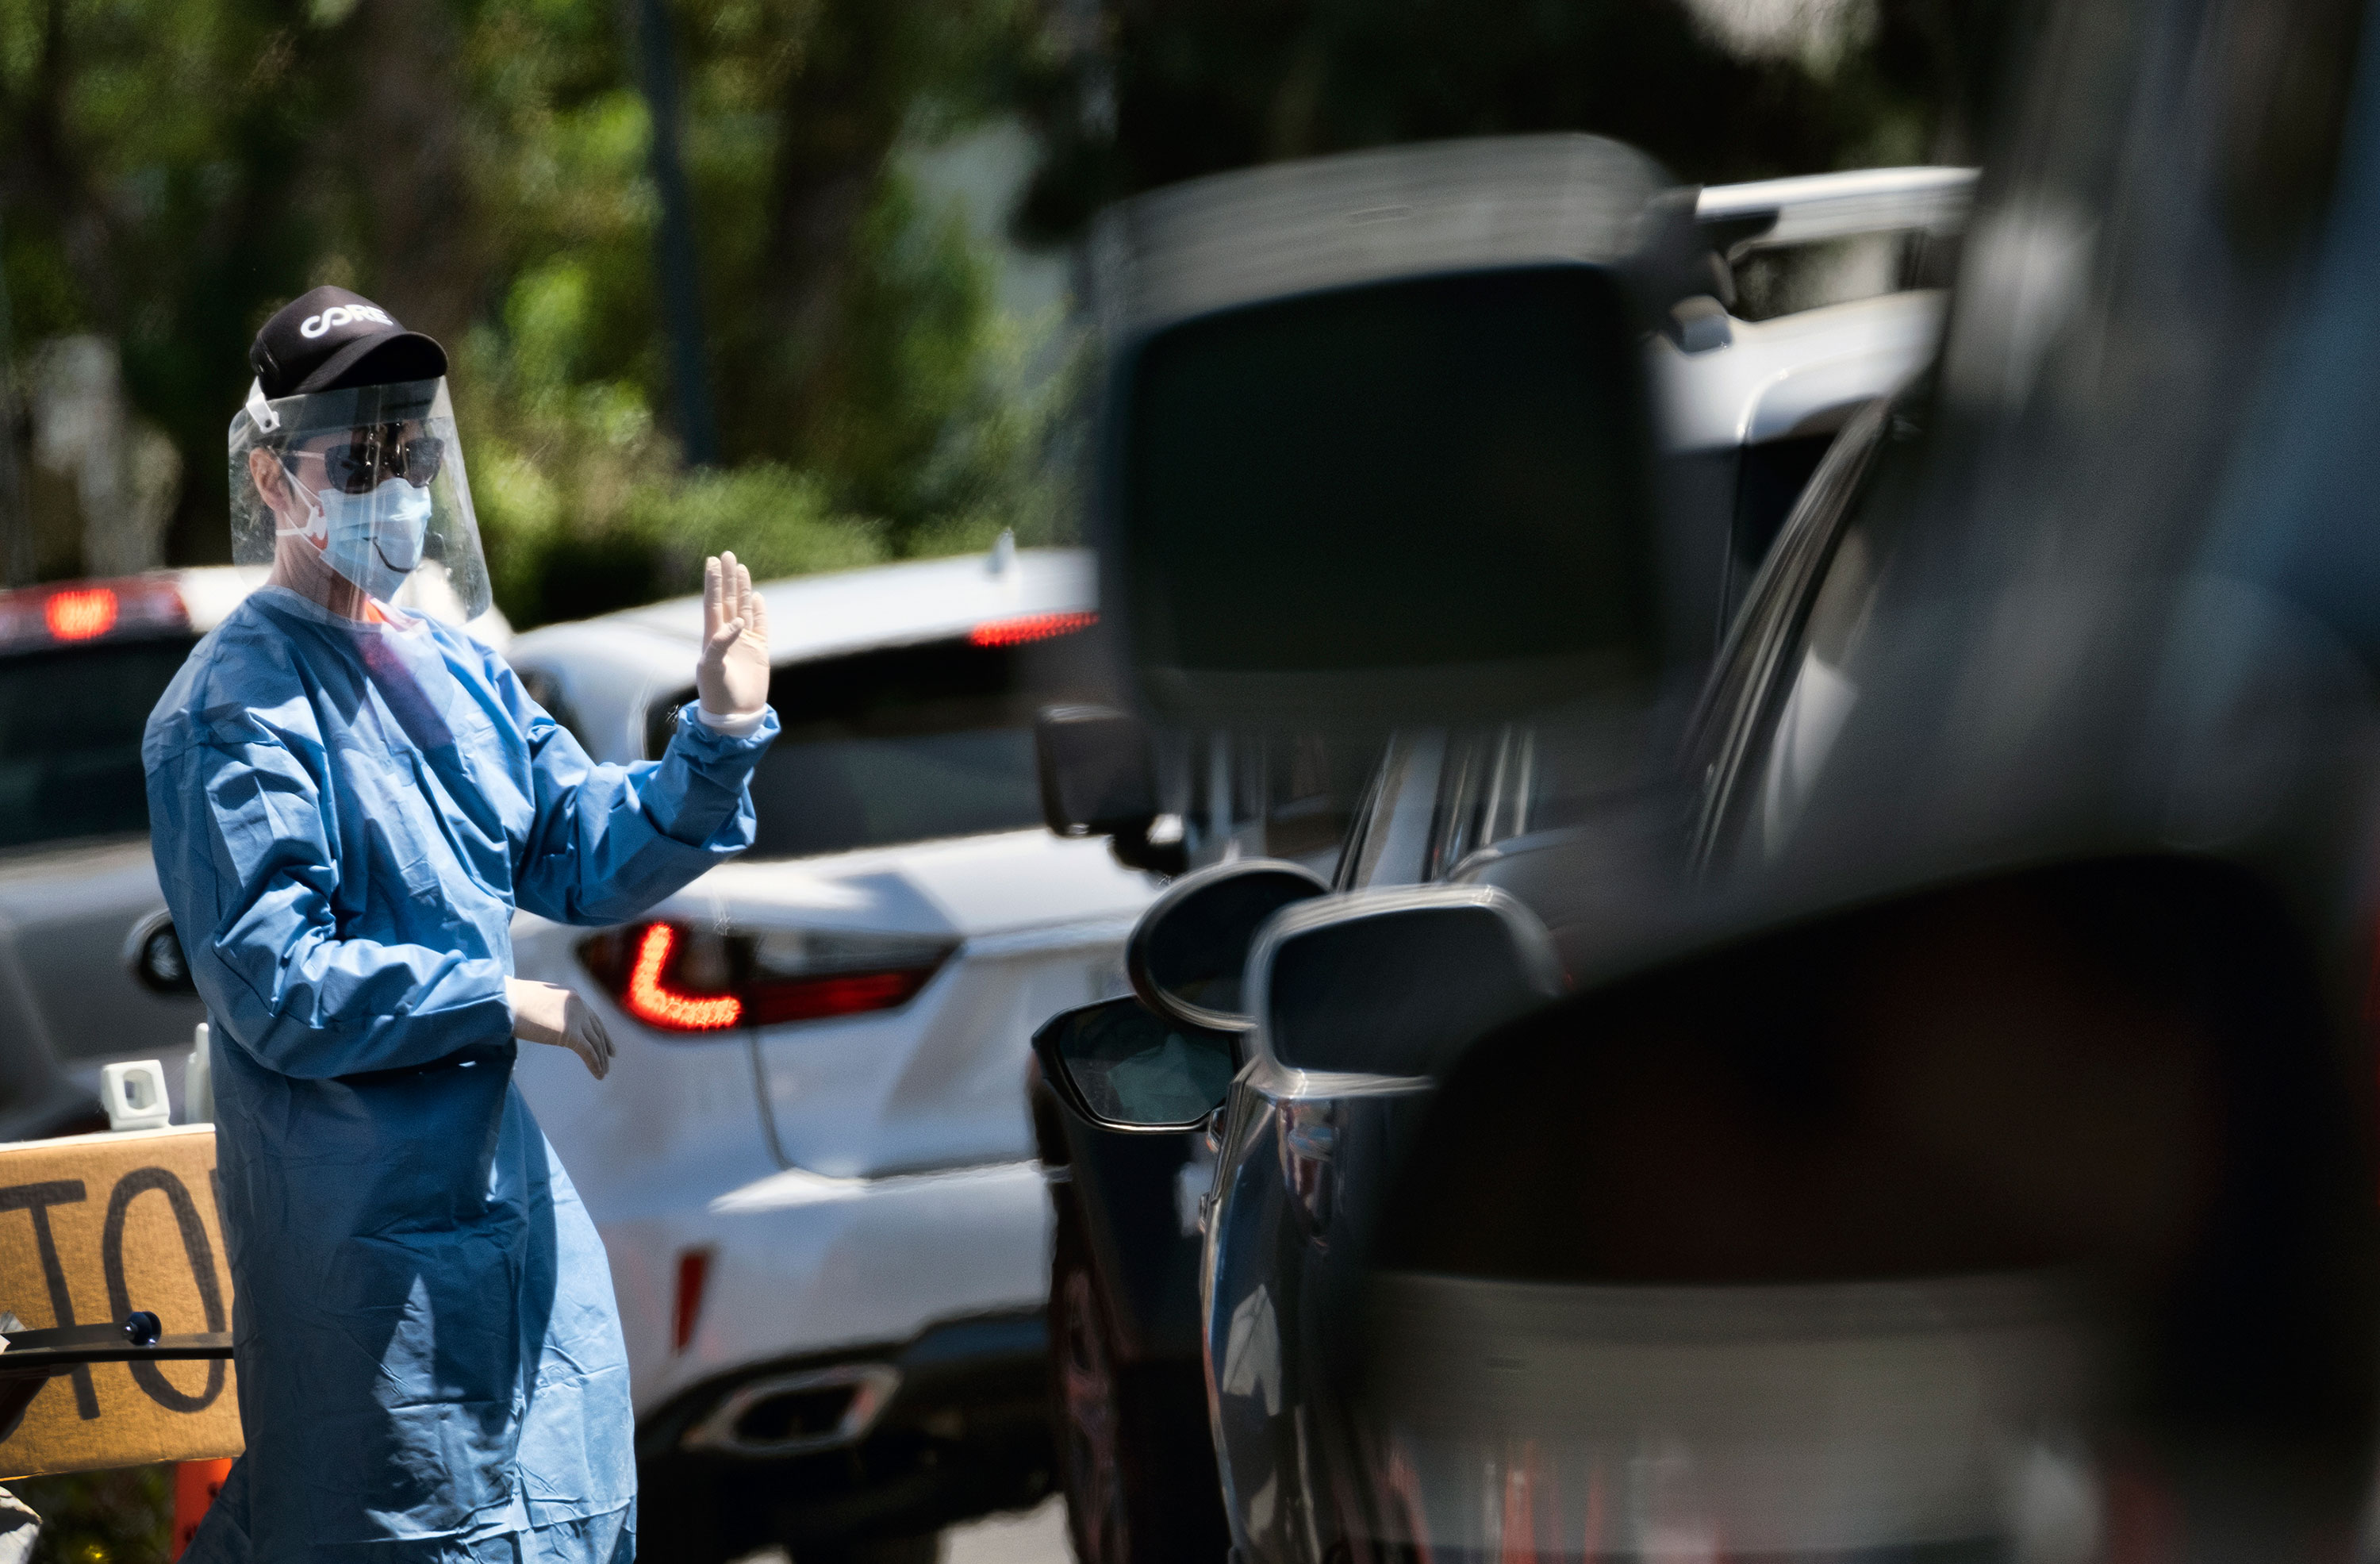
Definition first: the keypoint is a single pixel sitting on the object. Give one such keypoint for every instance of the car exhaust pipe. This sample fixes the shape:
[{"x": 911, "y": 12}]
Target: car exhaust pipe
[{"x": 786, "y": 1414}]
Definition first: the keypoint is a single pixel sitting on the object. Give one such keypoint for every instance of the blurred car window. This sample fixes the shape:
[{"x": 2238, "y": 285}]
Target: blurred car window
[
  {"x": 904, "y": 744},
  {"x": 1280, "y": 795},
  {"x": 1307, "y": 793},
  {"x": 1775, "y": 473},
  {"x": 1390, "y": 843},
  {"x": 1559, "y": 769},
  {"x": 1820, "y": 696},
  {"x": 70, "y": 724},
  {"x": 1546, "y": 776},
  {"x": 1791, "y": 641}
]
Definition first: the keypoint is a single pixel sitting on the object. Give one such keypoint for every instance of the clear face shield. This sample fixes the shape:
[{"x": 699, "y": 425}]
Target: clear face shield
[{"x": 359, "y": 494}]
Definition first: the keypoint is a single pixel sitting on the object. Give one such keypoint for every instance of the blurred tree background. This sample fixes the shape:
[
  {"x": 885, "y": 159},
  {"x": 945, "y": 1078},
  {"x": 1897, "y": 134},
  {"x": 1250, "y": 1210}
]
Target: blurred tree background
[
  {"x": 120, "y": 1517},
  {"x": 880, "y": 199}
]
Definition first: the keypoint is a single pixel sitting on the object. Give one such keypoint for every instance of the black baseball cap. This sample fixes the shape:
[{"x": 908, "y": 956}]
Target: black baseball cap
[{"x": 329, "y": 340}]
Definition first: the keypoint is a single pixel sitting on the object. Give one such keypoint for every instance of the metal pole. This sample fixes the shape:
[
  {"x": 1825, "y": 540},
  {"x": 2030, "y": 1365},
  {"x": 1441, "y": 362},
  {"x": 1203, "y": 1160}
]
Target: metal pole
[{"x": 674, "y": 248}]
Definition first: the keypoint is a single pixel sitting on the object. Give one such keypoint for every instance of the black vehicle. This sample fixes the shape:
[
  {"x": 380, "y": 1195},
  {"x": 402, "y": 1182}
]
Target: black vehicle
[
  {"x": 1136, "y": 1461},
  {"x": 1989, "y": 1154},
  {"x": 1457, "y": 790},
  {"x": 1975, "y": 1159},
  {"x": 1482, "y": 869}
]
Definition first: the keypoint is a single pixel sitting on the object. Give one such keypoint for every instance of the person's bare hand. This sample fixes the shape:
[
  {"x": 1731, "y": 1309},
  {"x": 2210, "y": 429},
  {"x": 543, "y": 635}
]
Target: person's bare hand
[
  {"x": 731, "y": 675},
  {"x": 547, "y": 1013}
]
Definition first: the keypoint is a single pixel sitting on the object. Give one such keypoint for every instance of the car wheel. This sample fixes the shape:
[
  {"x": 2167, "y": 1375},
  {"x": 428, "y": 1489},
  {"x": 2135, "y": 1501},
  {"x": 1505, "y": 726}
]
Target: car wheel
[
  {"x": 1134, "y": 1453},
  {"x": 1091, "y": 1454}
]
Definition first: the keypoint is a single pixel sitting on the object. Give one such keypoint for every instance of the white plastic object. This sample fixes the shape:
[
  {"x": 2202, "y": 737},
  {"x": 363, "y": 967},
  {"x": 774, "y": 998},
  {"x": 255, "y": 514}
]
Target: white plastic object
[
  {"x": 134, "y": 1095},
  {"x": 1808, "y": 207},
  {"x": 198, "y": 1079}
]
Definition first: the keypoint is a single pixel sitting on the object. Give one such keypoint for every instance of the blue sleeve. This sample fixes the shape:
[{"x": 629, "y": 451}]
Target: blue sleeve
[
  {"x": 245, "y": 862},
  {"x": 611, "y": 840}
]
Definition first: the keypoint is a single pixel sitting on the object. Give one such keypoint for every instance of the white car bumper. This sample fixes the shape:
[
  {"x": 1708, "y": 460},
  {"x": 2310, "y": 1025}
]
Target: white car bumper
[{"x": 800, "y": 1265}]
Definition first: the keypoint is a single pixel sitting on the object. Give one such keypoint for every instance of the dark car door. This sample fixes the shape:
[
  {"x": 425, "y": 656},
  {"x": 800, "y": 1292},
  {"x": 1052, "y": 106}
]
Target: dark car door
[
  {"x": 1579, "y": 817},
  {"x": 1136, "y": 1460}
]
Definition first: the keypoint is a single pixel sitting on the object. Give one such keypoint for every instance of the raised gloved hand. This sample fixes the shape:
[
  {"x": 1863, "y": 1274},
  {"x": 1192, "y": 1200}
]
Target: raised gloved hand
[
  {"x": 731, "y": 675},
  {"x": 547, "y": 1013}
]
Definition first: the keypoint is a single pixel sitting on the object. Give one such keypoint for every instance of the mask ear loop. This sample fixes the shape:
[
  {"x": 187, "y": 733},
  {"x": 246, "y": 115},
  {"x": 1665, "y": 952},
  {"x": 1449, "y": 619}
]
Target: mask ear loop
[
  {"x": 267, "y": 420},
  {"x": 317, "y": 529}
]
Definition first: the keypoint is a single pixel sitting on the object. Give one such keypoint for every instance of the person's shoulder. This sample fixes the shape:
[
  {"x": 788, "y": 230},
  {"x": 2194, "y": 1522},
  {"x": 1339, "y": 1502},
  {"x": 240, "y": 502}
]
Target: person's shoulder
[
  {"x": 256, "y": 649},
  {"x": 240, "y": 684},
  {"x": 467, "y": 653},
  {"x": 459, "y": 643}
]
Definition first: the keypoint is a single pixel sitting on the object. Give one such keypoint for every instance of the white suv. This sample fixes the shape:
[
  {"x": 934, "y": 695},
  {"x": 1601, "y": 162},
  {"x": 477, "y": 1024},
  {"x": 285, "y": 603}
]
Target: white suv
[{"x": 812, "y": 1163}]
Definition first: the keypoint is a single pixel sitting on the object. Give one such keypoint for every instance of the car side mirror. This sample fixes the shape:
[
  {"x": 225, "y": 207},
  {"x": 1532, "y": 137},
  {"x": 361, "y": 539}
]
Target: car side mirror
[
  {"x": 1124, "y": 1066},
  {"x": 1394, "y": 983},
  {"x": 1098, "y": 771},
  {"x": 1188, "y": 952}
]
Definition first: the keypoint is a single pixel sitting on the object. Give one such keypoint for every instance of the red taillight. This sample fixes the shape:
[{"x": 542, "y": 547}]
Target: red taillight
[
  {"x": 39, "y": 617},
  {"x": 649, "y": 998},
  {"x": 1030, "y": 627},
  {"x": 677, "y": 979},
  {"x": 844, "y": 993},
  {"x": 693, "y": 1272},
  {"x": 79, "y": 616}
]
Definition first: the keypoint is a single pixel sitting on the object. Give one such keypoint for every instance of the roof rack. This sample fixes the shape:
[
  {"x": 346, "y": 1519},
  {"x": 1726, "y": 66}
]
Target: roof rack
[{"x": 1769, "y": 213}]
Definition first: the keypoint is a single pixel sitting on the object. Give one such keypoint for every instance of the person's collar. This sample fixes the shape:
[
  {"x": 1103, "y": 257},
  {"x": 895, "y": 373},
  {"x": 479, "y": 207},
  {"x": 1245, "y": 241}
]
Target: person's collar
[{"x": 395, "y": 619}]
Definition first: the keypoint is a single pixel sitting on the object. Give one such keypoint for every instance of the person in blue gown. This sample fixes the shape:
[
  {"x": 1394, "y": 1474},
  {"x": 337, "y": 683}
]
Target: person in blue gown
[{"x": 349, "y": 798}]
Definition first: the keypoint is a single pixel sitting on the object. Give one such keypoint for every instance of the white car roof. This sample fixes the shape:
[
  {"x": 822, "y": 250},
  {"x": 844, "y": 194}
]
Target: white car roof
[
  {"x": 1809, "y": 207},
  {"x": 609, "y": 668},
  {"x": 845, "y": 610}
]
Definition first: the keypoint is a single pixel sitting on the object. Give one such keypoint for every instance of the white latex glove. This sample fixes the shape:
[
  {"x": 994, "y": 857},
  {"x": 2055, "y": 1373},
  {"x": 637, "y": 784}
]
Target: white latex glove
[
  {"x": 547, "y": 1013},
  {"x": 731, "y": 675}
]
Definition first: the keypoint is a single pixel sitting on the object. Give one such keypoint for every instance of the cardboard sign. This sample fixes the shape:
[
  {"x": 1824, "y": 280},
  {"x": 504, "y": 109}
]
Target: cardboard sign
[{"x": 92, "y": 1228}]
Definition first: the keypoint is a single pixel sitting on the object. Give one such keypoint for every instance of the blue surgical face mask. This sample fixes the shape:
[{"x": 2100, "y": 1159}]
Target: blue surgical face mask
[{"x": 374, "y": 540}]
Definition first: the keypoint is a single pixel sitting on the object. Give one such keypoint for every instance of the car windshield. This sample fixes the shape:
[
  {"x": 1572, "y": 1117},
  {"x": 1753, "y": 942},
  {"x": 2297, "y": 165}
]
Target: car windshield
[
  {"x": 1566, "y": 768},
  {"x": 70, "y": 724},
  {"x": 903, "y": 744}
]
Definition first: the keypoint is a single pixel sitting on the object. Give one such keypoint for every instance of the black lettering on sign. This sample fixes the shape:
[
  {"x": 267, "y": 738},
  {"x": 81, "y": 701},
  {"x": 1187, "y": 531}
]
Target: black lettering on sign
[
  {"x": 195, "y": 1248},
  {"x": 38, "y": 1198}
]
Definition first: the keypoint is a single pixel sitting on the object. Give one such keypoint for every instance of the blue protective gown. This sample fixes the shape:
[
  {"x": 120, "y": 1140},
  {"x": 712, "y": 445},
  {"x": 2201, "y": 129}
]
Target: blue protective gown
[{"x": 344, "y": 817}]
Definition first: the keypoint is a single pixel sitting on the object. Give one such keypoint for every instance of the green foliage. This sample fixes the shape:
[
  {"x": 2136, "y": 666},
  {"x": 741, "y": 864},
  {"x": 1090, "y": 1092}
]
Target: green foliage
[
  {"x": 779, "y": 521},
  {"x": 581, "y": 502},
  {"x": 172, "y": 170},
  {"x": 1173, "y": 89},
  {"x": 864, "y": 378},
  {"x": 120, "y": 1517},
  {"x": 147, "y": 148}
]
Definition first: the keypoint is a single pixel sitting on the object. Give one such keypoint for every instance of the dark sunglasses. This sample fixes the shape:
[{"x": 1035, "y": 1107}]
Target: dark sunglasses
[{"x": 372, "y": 455}]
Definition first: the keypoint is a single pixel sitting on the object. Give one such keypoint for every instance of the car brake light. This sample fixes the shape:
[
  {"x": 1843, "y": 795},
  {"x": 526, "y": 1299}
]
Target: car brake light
[
  {"x": 693, "y": 1271},
  {"x": 674, "y": 978},
  {"x": 1030, "y": 627},
  {"x": 79, "y": 615},
  {"x": 66, "y": 615},
  {"x": 649, "y": 997}
]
